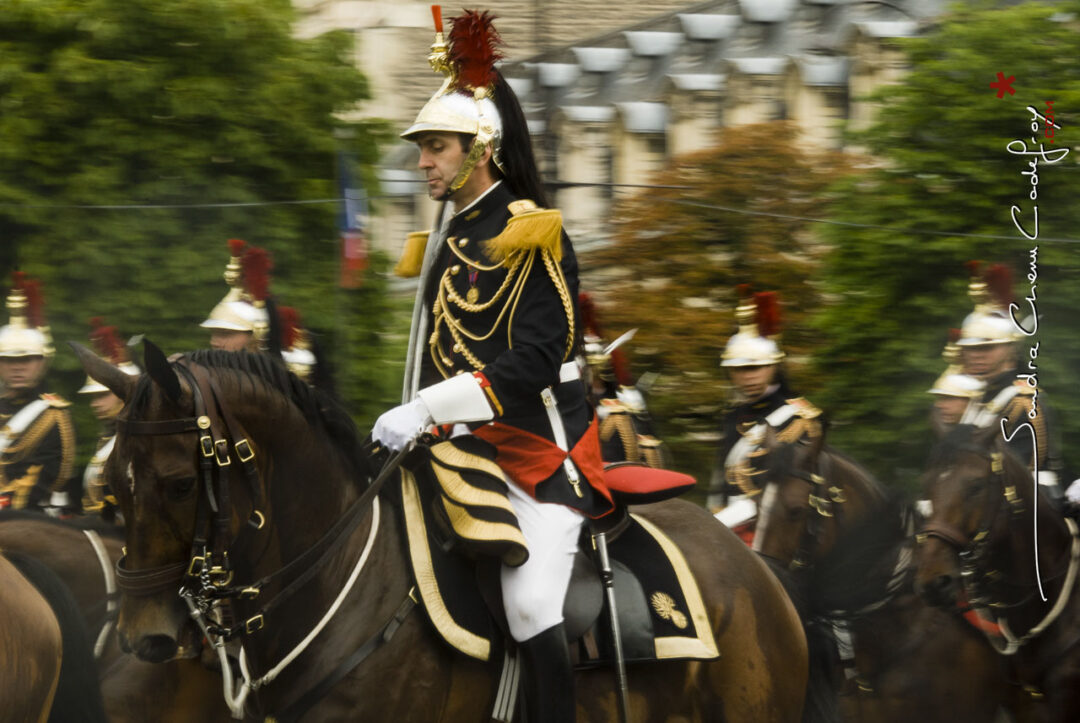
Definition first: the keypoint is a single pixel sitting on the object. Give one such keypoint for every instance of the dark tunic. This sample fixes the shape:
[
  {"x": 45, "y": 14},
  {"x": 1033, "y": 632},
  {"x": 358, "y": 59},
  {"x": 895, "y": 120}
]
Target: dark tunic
[
  {"x": 38, "y": 461},
  {"x": 515, "y": 329}
]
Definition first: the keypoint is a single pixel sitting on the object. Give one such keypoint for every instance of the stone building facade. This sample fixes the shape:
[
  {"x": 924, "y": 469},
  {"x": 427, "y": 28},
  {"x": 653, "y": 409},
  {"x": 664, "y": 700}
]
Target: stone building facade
[{"x": 613, "y": 91}]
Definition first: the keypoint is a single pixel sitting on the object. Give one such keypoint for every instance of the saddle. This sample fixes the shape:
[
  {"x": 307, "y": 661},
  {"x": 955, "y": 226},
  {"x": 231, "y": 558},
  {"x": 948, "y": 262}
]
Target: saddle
[{"x": 661, "y": 613}]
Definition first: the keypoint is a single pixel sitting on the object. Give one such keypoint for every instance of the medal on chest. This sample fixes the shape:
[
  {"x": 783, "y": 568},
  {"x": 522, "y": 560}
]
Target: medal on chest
[{"x": 473, "y": 294}]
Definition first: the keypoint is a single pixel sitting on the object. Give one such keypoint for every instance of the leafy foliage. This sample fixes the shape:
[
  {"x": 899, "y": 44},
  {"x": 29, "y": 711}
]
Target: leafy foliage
[
  {"x": 183, "y": 103},
  {"x": 942, "y": 166},
  {"x": 683, "y": 255}
]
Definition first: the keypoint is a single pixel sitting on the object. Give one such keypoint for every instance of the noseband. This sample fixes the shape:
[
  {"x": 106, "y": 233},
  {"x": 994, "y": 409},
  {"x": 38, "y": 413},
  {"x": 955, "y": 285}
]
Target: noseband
[{"x": 824, "y": 499}]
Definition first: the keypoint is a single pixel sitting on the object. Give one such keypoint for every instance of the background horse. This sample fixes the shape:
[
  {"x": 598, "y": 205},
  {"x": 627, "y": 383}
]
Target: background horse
[
  {"x": 991, "y": 540},
  {"x": 132, "y": 690},
  {"x": 845, "y": 544},
  {"x": 46, "y": 664},
  {"x": 308, "y": 467}
]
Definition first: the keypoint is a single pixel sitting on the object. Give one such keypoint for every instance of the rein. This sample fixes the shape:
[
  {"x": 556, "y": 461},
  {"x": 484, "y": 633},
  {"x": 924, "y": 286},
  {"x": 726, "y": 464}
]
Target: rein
[
  {"x": 206, "y": 579},
  {"x": 972, "y": 552}
]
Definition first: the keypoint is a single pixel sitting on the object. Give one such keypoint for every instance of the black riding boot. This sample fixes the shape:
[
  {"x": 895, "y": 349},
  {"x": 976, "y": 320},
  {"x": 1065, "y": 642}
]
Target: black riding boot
[{"x": 549, "y": 678}]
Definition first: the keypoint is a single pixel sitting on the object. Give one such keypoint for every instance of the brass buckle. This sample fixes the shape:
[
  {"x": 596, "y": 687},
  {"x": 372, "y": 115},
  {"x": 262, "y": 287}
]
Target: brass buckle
[
  {"x": 253, "y": 625},
  {"x": 197, "y": 560},
  {"x": 249, "y": 593},
  {"x": 221, "y": 452},
  {"x": 821, "y": 505},
  {"x": 219, "y": 576},
  {"x": 250, "y": 455},
  {"x": 207, "y": 445}
]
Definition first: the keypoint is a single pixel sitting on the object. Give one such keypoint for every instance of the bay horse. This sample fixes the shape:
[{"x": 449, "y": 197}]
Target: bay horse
[
  {"x": 843, "y": 542},
  {"x": 181, "y": 690},
  {"x": 995, "y": 542},
  {"x": 298, "y": 477},
  {"x": 46, "y": 664}
]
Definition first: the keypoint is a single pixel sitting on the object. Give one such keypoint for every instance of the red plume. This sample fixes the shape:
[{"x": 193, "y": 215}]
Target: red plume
[
  {"x": 290, "y": 326},
  {"x": 35, "y": 304},
  {"x": 436, "y": 14},
  {"x": 743, "y": 291},
  {"x": 589, "y": 322},
  {"x": 954, "y": 336},
  {"x": 107, "y": 341},
  {"x": 768, "y": 313},
  {"x": 973, "y": 268},
  {"x": 257, "y": 265},
  {"x": 236, "y": 247},
  {"x": 999, "y": 282},
  {"x": 474, "y": 49}
]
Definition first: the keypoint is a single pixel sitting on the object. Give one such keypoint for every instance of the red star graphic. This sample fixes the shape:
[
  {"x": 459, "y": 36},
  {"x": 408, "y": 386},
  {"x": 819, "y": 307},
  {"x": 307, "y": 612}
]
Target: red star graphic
[{"x": 1004, "y": 84}]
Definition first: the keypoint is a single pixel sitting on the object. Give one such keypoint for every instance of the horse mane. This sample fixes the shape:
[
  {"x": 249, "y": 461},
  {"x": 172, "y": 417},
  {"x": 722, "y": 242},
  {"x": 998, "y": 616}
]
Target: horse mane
[{"x": 318, "y": 408}]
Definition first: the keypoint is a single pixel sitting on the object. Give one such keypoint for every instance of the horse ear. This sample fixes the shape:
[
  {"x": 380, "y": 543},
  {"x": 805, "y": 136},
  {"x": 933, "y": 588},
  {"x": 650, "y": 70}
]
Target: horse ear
[
  {"x": 103, "y": 372},
  {"x": 159, "y": 369}
]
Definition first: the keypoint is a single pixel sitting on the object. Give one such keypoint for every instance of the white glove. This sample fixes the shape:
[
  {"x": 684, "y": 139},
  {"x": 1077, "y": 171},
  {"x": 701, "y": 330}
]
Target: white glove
[
  {"x": 1073, "y": 493},
  {"x": 402, "y": 424}
]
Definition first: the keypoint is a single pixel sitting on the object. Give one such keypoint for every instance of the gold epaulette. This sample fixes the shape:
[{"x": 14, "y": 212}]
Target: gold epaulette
[
  {"x": 803, "y": 408},
  {"x": 528, "y": 228},
  {"x": 1022, "y": 387},
  {"x": 412, "y": 255},
  {"x": 55, "y": 401}
]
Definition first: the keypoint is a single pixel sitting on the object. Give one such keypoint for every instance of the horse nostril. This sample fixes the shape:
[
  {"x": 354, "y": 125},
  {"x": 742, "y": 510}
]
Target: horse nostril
[{"x": 156, "y": 648}]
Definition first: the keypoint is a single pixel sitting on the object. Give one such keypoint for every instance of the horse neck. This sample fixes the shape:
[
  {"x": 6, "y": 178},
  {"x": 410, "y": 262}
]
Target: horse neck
[{"x": 1050, "y": 546}]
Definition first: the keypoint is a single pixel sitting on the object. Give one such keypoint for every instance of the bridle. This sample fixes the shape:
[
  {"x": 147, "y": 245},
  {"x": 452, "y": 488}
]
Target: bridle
[
  {"x": 206, "y": 579},
  {"x": 824, "y": 499},
  {"x": 977, "y": 575}
]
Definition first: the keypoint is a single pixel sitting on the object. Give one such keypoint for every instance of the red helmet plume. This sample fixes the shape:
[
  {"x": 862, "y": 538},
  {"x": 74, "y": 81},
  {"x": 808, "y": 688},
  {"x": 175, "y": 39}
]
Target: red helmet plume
[
  {"x": 290, "y": 326},
  {"x": 35, "y": 303},
  {"x": 474, "y": 49},
  {"x": 257, "y": 265},
  {"x": 768, "y": 313},
  {"x": 106, "y": 340},
  {"x": 999, "y": 284}
]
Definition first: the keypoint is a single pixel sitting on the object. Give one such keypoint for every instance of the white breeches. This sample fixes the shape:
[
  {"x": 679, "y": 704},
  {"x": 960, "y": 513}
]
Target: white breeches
[{"x": 533, "y": 594}]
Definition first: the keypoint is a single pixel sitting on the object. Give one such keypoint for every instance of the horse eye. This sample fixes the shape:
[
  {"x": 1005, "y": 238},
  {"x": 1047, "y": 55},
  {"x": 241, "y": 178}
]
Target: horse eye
[{"x": 181, "y": 488}]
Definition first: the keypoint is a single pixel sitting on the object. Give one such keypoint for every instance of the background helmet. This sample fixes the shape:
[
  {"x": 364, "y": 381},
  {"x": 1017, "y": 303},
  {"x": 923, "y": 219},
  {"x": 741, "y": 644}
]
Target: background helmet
[
  {"x": 26, "y": 334},
  {"x": 755, "y": 344},
  {"x": 107, "y": 343},
  {"x": 244, "y": 307}
]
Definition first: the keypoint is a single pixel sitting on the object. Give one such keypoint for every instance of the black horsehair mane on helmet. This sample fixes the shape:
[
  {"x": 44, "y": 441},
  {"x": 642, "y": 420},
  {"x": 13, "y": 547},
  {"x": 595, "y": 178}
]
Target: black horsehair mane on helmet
[
  {"x": 317, "y": 407},
  {"x": 521, "y": 173}
]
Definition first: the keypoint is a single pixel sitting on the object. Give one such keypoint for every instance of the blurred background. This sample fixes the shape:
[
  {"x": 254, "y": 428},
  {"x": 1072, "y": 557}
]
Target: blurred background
[{"x": 849, "y": 155}]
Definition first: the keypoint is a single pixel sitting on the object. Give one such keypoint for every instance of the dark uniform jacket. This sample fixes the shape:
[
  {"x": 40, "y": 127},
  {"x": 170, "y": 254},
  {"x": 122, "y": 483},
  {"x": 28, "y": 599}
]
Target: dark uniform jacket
[
  {"x": 1016, "y": 411},
  {"x": 38, "y": 461},
  {"x": 744, "y": 417},
  {"x": 501, "y": 300}
]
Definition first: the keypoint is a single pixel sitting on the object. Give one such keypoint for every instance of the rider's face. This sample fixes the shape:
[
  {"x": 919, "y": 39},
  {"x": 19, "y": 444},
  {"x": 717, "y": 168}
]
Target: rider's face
[
  {"x": 950, "y": 409},
  {"x": 987, "y": 360},
  {"x": 441, "y": 157},
  {"x": 230, "y": 340},
  {"x": 752, "y": 382},
  {"x": 21, "y": 373},
  {"x": 106, "y": 405}
]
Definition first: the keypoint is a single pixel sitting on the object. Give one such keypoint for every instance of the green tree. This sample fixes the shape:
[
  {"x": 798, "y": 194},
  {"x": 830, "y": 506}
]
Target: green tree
[
  {"x": 683, "y": 252},
  {"x": 182, "y": 103},
  {"x": 942, "y": 170}
]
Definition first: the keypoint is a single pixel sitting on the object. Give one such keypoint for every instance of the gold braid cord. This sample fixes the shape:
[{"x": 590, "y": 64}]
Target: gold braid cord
[
  {"x": 743, "y": 473},
  {"x": 620, "y": 422},
  {"x": 519, "y": 265}
]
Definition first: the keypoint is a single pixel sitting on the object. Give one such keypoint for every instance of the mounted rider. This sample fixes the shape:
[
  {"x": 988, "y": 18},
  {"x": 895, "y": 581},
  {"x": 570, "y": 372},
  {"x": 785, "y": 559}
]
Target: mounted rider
[
  {"x": 37, "y": 440},
  {"x": 627, "y": 433},
  {"x": 97, "y": 497},
  {"x": 956, "y": 395},
  {"x": 763, "y": 399},
  {"x": 989, "y": 351},
  {"x": 494, "y": 332}
]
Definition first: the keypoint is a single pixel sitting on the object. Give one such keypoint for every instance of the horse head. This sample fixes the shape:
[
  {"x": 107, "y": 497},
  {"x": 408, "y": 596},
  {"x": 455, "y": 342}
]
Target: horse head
[
  {"x": 216, "y": 454},
  {"x": 972, "y": 490},
  {"x": 821, "y": 510}
]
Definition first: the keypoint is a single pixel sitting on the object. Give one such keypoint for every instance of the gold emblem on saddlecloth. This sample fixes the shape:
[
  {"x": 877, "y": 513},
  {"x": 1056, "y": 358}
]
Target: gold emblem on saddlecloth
[{"x": 664, "y": 605}]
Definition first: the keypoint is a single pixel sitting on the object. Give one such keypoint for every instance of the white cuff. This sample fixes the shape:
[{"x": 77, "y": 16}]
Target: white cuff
[
  {"x": 1046, "y": 477},
  {"x": 457, "y": 399}
]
